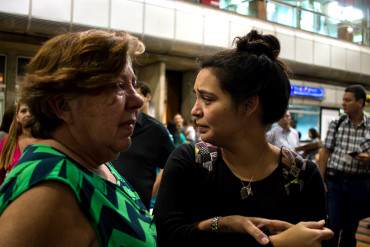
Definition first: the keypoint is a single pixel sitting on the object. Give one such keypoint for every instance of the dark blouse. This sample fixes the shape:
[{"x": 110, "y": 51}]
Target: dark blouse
[{"x": 190, "y": 193}]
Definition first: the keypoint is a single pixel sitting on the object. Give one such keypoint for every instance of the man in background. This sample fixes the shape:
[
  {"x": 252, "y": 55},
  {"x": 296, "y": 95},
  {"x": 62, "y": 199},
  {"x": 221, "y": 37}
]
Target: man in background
[
  {"x": 283, "y": 135},
  {"x": 151, "y": 145},
  {"x": 345, "y": 166}
]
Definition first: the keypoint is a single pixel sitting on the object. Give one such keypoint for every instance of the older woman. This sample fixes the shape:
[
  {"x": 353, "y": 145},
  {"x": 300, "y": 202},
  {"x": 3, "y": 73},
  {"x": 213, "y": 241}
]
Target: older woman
[
  {"x": 208, "y": 194},
  {"x": 63, "y": 192}
]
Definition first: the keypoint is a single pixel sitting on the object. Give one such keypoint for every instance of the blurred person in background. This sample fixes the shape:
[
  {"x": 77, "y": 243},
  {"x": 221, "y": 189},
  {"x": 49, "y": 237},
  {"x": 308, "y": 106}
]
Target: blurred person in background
[
  {"x": 190, "y": 133},
  {"x": 311, "y": 149},
  {"x": 176, "y": 131},
  {"x": 283, "y": 135},
  {"x": 7, "y": 121},
  {"x": 19, "y": 137},
  {"x": 80, "y": 88},
  {"x": 179, "y": 122}
]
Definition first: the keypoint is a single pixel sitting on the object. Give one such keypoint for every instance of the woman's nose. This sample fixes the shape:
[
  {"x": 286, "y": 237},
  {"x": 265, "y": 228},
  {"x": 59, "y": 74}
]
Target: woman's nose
[
  {"x": 195, "y": 111},
  {"x": 135, "y": 101}
]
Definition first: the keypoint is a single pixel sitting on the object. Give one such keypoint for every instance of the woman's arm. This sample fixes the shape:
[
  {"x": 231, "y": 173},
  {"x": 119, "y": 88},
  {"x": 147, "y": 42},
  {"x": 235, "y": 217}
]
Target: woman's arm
[
  {"x": 246, "y": 225},
  {"x": 303, "y": 234},
  {"x": 174, "y": 225},
  {"x": 309, "y": 146},
  {"x": 46, "y": 215}
]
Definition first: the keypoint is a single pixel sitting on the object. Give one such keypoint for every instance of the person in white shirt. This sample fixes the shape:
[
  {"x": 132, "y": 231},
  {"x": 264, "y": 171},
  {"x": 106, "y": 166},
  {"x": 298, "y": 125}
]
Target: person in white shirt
[{"x": 283, "y": 135}]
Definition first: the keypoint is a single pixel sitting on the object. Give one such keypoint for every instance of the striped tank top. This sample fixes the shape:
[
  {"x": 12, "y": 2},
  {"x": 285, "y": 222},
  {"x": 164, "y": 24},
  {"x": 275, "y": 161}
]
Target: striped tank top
[{"x": 115, "y": 211}]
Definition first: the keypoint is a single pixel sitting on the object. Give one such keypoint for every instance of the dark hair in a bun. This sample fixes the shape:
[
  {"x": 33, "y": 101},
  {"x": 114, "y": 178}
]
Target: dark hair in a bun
[
  {"x": 258, "y": 44},
  {"x": 253, "y": 68}
]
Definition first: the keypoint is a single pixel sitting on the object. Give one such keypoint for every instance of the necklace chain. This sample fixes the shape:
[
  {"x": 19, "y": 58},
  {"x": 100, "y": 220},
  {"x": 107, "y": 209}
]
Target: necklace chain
[{"x": 246, "y": 189}]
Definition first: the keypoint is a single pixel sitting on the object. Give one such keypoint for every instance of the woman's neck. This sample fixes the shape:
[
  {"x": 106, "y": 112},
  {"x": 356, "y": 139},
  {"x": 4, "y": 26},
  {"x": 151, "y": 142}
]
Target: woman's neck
[
  {"x": 251, "y": 159},
  {"x": 63, "y": 140},
  {"x": 83, "y": 160},
  {"x": 26, "y": 132}
]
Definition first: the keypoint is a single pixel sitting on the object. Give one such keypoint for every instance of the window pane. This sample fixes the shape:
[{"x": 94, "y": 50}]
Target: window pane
[
  {"x": 282, "y": 14},
  {"x": 241, "y": 7}
]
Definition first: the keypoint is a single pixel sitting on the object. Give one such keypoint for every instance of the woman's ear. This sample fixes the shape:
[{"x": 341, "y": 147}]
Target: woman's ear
[
  {"x": 251, "y": 105},
  {"x": 61, "y": 108}
]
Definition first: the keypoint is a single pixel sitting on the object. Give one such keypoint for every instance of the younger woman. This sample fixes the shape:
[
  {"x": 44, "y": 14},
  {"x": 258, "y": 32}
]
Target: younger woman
[
  {"x": 12, "y": 145},
  {"x": 214, "y": 196}
]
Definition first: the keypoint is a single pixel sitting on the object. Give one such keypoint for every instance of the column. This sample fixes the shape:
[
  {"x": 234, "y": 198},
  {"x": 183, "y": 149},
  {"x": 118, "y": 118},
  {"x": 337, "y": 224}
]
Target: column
[
  {"x": 188, "y": 97},
  {"x": 155, "y": 76}
]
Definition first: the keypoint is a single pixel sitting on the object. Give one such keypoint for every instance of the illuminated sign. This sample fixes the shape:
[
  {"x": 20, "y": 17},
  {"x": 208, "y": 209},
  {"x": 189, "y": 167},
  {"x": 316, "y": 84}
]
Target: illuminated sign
[{"x": 304, "y": 91}]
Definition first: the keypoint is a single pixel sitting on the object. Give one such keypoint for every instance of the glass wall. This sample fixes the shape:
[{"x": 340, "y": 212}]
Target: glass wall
[
  {"x": 282, "y": 14},
  {"x": 241, "y": 7},
  {"x": 327, "y": 17},
  {"x": 305, "y": 117}
]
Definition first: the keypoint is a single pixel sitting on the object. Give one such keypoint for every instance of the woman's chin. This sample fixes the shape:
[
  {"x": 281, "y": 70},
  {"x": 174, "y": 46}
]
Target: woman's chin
[{"x": 123, "y": 145}]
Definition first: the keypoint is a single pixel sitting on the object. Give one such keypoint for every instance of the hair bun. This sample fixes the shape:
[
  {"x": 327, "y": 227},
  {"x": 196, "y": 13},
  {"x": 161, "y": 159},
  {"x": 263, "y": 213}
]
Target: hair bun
[{"x": 259, "y": 44}]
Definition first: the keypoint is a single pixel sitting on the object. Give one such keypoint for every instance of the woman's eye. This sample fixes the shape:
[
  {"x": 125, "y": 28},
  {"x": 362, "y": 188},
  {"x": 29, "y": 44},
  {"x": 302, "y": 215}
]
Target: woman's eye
[
  {"x": 121, "y": 88},
  {"x": 207, "y": 101}
]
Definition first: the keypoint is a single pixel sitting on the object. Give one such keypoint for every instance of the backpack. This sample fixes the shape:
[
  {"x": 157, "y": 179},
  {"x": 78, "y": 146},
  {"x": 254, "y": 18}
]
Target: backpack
[
  {"x": 340, "y": 121},
  {"x": 294, "y": 165}
]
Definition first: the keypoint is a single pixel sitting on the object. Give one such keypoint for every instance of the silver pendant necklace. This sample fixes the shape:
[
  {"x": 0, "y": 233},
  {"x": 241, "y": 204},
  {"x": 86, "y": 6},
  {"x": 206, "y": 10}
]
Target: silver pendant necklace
[{"x": 246, "y": 190}]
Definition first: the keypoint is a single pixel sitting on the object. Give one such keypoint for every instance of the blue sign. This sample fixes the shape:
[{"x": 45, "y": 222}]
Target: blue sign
[{"x": 304, "y": 91}]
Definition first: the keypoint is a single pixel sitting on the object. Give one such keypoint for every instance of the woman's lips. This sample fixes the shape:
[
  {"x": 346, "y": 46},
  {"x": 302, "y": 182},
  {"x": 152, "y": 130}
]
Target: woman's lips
[
  {"x": 129, "y": 126},
  {"x": 202, "y": 128}
]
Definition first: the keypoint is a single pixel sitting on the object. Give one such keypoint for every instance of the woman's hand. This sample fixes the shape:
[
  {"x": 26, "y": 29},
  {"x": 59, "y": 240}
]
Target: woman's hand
[
  {"x": 303, "y": 234},
  {"x": 248, "y": 225}
]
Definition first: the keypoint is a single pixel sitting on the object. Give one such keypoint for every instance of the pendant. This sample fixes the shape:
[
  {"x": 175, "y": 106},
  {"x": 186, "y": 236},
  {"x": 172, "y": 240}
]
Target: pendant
[{"x": 246, "y": 191}]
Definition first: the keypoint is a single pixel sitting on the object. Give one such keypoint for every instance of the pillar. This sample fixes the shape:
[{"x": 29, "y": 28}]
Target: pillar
[{"x": 155, "y": 76}]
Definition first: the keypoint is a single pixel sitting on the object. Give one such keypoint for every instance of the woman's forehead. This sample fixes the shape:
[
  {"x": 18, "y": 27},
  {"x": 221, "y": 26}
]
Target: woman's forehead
[
  {"x": 23, "y": 106},
  {"x": 207, "y": 81}
]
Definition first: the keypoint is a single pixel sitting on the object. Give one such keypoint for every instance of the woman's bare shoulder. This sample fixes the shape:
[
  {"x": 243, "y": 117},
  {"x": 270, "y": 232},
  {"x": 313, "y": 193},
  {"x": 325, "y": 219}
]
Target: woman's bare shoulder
[{"x": 45, "y": 215}]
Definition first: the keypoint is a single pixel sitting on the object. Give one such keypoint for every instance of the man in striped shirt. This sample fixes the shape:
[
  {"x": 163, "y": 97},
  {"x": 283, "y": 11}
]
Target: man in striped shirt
[{"x": 345, "y": 165}]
